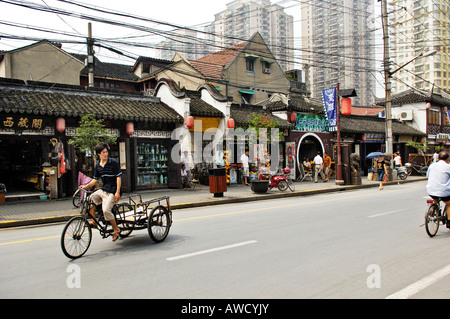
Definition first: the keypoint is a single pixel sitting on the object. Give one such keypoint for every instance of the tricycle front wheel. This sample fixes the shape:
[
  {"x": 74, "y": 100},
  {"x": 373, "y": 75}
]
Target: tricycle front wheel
[
  {"x": 159, "y": 222},
  {"x": 76, "y": 237}
]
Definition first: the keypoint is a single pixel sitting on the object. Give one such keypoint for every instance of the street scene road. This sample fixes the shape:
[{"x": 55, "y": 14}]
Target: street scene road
[{"x": 356, "y": 244}]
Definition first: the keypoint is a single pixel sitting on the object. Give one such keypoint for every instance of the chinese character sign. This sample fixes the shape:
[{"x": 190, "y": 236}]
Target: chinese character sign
[
  {"x": 21, "y": 122},
  {"x": 330, "y": 106}
]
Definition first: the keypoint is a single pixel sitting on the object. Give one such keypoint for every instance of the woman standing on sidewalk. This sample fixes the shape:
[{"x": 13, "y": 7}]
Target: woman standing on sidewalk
[{"x": 380, "y": 166}]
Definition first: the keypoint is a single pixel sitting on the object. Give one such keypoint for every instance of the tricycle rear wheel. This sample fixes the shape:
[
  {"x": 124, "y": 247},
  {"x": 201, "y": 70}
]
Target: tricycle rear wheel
[{"x": 159, "y": 222}]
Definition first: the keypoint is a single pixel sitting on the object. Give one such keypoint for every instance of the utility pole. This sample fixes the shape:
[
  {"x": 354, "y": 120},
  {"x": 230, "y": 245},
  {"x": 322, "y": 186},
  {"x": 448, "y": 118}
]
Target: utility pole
[
  {"x": 90, "y": 56},
  {"x": 339, "y": 178},
  {"x": 387, "y": 78}
]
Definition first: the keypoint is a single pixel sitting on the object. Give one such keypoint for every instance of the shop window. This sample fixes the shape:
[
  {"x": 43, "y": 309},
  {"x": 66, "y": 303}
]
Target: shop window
[{"x": 152, "y": 161}]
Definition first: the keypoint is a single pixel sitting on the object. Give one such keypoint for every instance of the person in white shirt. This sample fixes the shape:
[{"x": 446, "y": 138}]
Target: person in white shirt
[
  {"x": 438, "y": 186},
  {"x": 185, "y": 161},
  {"x": 245, "y": 168},
  {"x": 318, "y": 168}
]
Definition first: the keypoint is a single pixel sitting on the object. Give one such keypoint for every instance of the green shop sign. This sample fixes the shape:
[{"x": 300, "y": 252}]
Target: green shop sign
[{"x": 311, "y": 123}]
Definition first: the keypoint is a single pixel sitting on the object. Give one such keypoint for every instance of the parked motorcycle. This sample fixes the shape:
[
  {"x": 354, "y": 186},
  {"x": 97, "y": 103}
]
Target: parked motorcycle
[
  {"x": 404, "y": 171},
  {"x": 280, "y": 179}
]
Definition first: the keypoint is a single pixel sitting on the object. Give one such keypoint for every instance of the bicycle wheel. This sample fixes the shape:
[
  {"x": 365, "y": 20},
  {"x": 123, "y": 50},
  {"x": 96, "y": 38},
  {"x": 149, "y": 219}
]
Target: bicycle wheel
[
  {"x": 76, "y": 237},
  {"x": 402, "y": 176},
  {"x": 76, "y": 199},
  {"x": 423, "y": 170},
  {"x": 432, "y": 220},
  {"x": 283, "y": 185},
  {"x": 159, "y": 223},
  {"x": 291, "y": 185}
]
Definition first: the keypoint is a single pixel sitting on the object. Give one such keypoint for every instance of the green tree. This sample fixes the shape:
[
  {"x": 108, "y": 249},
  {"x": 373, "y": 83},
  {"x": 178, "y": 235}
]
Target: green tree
[{"x": 91, "y": 132}]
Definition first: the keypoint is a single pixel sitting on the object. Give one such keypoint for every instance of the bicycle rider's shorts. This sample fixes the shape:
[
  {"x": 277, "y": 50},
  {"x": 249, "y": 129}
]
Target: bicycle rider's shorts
[
  {"x": 106, "y": 199},
  {"x": 438, "y": 198}
]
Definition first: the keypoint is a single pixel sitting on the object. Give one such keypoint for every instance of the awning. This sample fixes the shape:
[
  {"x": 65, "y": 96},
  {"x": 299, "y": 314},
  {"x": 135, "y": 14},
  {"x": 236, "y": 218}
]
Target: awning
[
  {"x": 246, "y": 91},
  {"x": 267, "y": 60},
  {"x": 250, "y": 56}
]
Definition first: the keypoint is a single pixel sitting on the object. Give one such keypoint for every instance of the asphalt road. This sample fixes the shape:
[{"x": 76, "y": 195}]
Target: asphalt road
[{"x": 355, "y": 244}]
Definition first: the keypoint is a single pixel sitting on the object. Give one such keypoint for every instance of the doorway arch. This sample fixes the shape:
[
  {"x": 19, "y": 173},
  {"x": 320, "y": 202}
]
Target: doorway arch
[{"x": 305, "y": 138}]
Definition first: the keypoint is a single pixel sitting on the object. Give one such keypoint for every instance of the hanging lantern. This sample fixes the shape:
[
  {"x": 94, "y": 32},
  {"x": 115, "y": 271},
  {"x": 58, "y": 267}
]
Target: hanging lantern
[
  {"x": 346, "y": 106},
  {"x": 130, "y": 128},
  {"x": 60, "y": 125},
  {"x": 230, "y": 123},
  {"x": 428, "y": 105},
  {"x": 190, "y": 122},
  {"x": 293, "y": 117}
]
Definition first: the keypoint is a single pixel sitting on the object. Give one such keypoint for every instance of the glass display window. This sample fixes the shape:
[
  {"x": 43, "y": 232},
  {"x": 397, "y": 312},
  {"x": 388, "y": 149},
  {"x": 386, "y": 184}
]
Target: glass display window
[{"x": 152, "y": 164}]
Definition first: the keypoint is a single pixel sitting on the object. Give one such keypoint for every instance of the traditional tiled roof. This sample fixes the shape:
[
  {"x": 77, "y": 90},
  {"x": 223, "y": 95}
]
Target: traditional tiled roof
[
  {"x": 296, "y": 104},
  {"x": 211, "y": 66},
  {"x": 76, "y": 103},
  {"x": 413, "y": 96},
  {"x": 113, "y": 71},
  {"x": 242, "y": 116},
  {"x": 366, "y": 124}
]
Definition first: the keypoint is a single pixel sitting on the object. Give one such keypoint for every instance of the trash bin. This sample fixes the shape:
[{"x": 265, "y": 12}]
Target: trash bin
[
  {"x": 2, "y": 193},
  {"x": 217, "y": 181}
]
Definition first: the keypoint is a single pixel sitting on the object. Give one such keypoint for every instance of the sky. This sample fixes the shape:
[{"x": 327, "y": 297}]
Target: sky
[{"x": 193, "y": 13}]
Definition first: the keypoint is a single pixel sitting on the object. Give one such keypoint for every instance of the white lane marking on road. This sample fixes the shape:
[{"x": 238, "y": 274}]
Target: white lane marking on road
[
  {"x": 421, "y": 284},
  {"x": 207, "y": 251},
  {"x": 386, "y": 213}
]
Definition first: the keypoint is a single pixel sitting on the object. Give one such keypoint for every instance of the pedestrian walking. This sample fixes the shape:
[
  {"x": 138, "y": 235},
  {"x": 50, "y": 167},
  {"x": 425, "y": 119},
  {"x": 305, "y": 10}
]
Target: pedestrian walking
[
  {"x": 318, "y": 168},
  {"x": 326, "y": 166},
  {"x": 245, "y": 167}
]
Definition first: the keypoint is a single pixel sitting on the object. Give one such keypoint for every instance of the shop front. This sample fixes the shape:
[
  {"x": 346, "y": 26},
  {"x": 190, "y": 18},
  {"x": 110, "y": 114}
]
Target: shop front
[
  {"x": 153, "y": 165},
  {"x": 25, "y": 147}
]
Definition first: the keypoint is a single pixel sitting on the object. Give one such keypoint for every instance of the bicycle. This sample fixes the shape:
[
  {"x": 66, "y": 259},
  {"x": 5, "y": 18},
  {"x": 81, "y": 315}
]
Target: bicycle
[
  {"x": 434, "y": 216},
  {"x": 76, "y": 236}
]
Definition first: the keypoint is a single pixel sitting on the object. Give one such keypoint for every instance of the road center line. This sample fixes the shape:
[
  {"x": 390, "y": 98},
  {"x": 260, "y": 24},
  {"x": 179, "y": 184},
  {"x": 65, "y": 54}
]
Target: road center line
[
  {"x": 386, "y": 213},
  {"x": 207, "y": 251},
  {"x": 421, "y": 284}
]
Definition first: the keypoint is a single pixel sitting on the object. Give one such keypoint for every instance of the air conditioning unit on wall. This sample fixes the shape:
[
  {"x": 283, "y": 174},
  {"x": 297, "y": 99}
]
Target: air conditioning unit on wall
[{"x": 406, "y": 115}]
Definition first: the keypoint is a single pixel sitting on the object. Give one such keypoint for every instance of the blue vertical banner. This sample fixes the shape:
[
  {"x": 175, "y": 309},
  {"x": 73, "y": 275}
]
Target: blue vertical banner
[{"x": 330, "y": 106}]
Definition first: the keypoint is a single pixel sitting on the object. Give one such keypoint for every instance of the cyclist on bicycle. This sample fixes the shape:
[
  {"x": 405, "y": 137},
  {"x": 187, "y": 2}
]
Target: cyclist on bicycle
[
  {"x": 108, "y": 170},
  {"x": 438, "y": 186}
]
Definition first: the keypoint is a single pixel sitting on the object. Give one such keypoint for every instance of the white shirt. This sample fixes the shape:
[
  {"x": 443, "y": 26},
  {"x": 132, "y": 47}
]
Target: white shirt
[
  {"x": 244, "y": 160},
  {"x": 439, "y": 179},
  {"x": 185, "y": 160},
  {"x": 318, "y": 160}
]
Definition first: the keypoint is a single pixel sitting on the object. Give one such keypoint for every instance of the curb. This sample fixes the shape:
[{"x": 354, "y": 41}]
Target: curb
[{"x": 256, "y": 197}]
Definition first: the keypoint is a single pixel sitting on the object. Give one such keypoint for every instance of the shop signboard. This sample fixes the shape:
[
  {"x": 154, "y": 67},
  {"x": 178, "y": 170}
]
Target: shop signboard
[
  {"x": 311, "y": 123},
  {"x": 22, "y": 122}
]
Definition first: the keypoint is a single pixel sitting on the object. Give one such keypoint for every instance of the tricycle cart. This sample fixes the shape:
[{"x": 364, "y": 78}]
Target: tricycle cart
[{"x": 133, "y": 214}]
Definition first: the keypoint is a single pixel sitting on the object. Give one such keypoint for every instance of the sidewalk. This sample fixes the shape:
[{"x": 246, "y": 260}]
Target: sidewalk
[{"x": 34, "y": 212}]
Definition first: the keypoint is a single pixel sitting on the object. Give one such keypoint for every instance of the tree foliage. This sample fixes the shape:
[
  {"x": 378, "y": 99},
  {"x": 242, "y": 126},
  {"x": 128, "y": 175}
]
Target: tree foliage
[{"x": 91, "y": 132}]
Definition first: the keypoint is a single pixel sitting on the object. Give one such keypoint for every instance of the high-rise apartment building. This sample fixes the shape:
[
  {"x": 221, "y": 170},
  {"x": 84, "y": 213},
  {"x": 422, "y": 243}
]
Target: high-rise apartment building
[
  {"x": 185, "y": 41},
  {"x": 420, "y": 26},
  {"x": 338, "y": 46},
  {"x": 243, "y": 18}
]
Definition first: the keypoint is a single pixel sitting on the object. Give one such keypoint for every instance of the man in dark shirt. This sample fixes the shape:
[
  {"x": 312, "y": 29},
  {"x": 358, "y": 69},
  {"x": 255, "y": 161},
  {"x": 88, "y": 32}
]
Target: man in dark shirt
[{"x": 109, "y": 171}]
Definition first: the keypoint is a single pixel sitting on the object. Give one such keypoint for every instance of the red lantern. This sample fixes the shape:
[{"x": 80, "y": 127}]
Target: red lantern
[
  {"x": 190, "y": 122},
  {"x": 230, "y": 123},
  {"x": 60, "y": 125},
  {"x": 346, "y": 106},
  {"x": 130, "y": 128},
  {"x": 293, "y": 117}
]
